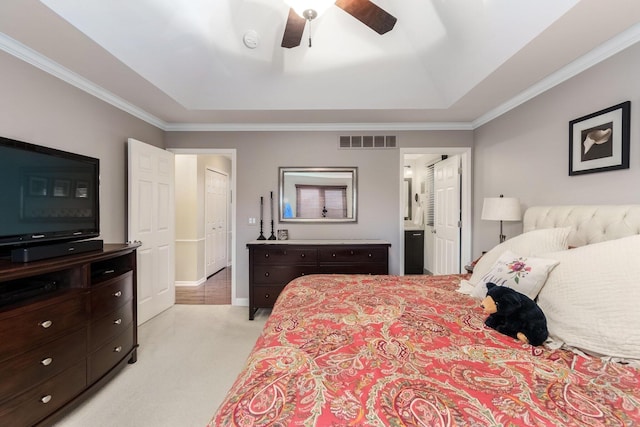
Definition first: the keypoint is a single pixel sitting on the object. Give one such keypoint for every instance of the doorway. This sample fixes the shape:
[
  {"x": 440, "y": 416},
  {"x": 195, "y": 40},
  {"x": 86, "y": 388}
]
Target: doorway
[
  {"x": 453, "y": 254},
  {"x": 229, "y": 231}
]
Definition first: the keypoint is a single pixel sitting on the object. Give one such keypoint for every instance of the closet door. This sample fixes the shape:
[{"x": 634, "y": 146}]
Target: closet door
[{"x": 216, "y": 208}]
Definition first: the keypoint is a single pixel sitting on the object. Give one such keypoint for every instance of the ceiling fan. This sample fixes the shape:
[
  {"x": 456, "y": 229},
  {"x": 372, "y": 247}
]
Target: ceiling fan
[{"x": 365, "y": 11}]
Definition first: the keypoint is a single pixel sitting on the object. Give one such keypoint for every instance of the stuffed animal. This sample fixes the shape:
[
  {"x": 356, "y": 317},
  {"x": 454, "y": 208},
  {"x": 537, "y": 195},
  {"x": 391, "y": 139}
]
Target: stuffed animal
[{"x": 514, "y": 314}]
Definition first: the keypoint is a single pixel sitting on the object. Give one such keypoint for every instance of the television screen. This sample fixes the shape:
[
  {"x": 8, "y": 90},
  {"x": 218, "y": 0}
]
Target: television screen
[{"x": 46, "y": 194}]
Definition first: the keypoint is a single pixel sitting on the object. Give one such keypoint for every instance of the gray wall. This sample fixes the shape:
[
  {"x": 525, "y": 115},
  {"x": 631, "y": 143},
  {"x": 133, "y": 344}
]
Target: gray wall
[
  {"x": 525, "y": 153},
  {"x": 259, "y": 154},
  {"x": 41, "y": 109}
]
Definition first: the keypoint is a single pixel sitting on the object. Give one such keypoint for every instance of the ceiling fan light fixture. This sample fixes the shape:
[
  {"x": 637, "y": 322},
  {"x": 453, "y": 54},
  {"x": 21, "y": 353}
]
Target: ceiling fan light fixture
[{"x": 310, "y": 9}]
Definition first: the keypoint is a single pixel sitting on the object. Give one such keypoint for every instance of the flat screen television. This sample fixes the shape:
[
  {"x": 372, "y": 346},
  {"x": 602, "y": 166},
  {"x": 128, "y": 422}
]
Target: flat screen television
[{"x": 46, "y": 195}]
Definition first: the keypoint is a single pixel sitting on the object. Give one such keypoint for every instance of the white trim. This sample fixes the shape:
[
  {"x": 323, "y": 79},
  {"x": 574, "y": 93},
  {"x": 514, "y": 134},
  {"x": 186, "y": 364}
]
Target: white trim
[
  {"x": 597, "y": 55},
  {"x": 615, "y": 45},
  {"x": 191, "y": 283},
  {"x": 189, "y": 240},
  {"x": 47, "y": 65},
  {"x": 318, "y": 127},
  {"x": 242, "y": 302}
]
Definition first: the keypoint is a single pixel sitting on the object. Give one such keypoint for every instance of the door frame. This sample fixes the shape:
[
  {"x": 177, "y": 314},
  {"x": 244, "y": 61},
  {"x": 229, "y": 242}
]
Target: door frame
[
  {"x": 232, "y": 153},
  {"x": 465, "y": 197}
]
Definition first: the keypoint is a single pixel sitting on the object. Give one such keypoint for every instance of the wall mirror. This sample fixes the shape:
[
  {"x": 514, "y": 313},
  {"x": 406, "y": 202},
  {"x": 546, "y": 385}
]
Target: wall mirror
[{"x": 321, "y": 195}]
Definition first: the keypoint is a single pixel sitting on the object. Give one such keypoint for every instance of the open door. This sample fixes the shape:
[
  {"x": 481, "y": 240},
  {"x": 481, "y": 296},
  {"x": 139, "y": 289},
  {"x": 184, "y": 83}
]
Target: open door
[
  {"x": 151, "y": 221},
  {"x": 447, "y": 216}
]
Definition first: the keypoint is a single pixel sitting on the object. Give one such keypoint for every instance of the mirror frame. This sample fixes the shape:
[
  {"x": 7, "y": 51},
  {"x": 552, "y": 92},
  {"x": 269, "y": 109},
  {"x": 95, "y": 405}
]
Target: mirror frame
[{"x": 354, "y": 193}]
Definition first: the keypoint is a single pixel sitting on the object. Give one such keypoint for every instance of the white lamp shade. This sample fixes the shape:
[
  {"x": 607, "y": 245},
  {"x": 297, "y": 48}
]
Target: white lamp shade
[
  {"x": 320, "y": 6},
  {"x": 501, "y": 209}
]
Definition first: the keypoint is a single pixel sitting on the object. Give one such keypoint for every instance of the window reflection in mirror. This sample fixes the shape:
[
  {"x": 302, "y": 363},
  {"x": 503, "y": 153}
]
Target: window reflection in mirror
[{"x": 310, "y": 194}]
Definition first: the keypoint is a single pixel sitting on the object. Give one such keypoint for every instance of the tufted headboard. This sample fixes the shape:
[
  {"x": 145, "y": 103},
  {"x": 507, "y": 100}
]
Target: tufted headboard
[{"x": 591, "y": 223}]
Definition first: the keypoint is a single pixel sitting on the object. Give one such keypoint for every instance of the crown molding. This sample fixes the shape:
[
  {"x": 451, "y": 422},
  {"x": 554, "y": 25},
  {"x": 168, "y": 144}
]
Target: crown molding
[
  {"x": 30, "y": 56},
  {"x": 314, "y": 127},
  {"x": 615, "y": 45}
]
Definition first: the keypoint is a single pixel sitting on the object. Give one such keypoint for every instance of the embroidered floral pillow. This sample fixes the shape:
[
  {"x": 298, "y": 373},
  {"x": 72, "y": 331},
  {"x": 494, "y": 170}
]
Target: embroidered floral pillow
[{"x": 524, "y": 274}]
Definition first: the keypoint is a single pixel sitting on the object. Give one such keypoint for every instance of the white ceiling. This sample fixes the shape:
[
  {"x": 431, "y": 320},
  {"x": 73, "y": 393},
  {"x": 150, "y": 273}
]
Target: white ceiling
[{"x": 178, "y": 62}]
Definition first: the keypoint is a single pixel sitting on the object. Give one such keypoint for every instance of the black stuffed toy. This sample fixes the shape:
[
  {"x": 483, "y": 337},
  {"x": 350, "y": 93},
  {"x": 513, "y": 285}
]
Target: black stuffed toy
[{"x": 514, "y": 314}]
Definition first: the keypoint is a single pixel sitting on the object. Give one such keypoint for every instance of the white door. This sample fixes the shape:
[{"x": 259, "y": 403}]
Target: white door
[
  {"x": 151, "y": 220},
  {"x": 216, "y": 204},
  {"x": 447, "y": 216}
]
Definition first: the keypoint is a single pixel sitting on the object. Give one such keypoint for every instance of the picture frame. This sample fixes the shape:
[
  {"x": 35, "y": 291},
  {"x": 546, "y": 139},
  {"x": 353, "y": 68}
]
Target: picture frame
[
  {"x": 599, "y": 141},
  {"x": 61, "y": 188},
  {"x": 82, "y": 190},
  {"x": 37, "y": 186},
  {"x": 283, "y": 234}
]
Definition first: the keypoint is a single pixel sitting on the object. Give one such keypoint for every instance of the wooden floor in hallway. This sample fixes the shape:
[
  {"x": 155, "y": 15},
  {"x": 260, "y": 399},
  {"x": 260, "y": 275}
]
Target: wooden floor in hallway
[{"x": 215, "y": 291}]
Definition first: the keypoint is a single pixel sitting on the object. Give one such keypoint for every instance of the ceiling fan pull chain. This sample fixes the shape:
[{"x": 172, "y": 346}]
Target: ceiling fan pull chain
[{"x": 309, "y": 32}]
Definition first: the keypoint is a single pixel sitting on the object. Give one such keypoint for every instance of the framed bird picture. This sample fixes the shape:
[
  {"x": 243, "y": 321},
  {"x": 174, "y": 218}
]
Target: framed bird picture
[{"x": 600, "y": 141}]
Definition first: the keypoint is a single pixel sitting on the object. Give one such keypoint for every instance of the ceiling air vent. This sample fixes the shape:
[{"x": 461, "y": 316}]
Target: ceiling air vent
[{"x": 367, "y": 141}]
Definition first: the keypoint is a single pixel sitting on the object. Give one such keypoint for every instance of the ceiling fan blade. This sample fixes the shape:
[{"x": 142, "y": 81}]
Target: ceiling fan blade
[
  {"x": 293, "y": 30},
  {"x": 369, "y": 14}
]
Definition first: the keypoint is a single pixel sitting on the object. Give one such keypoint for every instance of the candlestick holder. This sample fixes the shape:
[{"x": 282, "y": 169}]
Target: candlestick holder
[
  {"x": 261, "y": 237},
  {"x": 273, "y": 236}
]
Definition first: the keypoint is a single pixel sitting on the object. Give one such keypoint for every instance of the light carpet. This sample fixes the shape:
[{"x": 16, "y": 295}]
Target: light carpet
[{"x": 188, "y": 358}]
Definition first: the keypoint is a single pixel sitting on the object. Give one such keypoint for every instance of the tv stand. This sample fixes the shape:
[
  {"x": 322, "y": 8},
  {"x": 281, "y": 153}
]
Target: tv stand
[
  {"x": 35, "y": 253},
  {"x": 67, "y": 326}
]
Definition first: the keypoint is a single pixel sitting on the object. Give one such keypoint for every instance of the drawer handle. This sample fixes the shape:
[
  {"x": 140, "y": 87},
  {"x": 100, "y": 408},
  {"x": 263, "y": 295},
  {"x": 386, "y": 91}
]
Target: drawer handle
[
  {"x": 118, "y": 349},
  {"x": 370, "y": 255},
  {"x": 46, "y": 399},
  {"x": 333, "y": 255},
  {"x": 266, "y": 296},
  {"x": 303, "y": 255},
  {"x": 118, "y": 294},
  {"x": 266, "y": 255},
  {"x": 47, "y": 361},
  {"x": 46, "y": 324},
  {"x": 351, "y": 252},
  {"x": 109, "y": 271},
  {"x": 266, "y": 274},
  {"x": 117, "y": 322}
]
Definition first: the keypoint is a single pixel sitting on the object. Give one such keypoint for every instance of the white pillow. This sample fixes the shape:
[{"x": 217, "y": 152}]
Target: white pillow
[
  {"x": 591, "y": 298},
  {"x": 524, "y": 274},
  {"x": 532, "y": 243}
]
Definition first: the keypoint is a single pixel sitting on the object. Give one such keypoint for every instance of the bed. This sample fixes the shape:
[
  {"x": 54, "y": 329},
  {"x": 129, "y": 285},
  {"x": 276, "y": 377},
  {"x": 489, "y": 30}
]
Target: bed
[{"x": 340, "y": 350}]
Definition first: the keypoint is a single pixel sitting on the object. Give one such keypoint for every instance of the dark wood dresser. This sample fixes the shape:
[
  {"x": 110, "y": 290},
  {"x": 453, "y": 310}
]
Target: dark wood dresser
[
  {"x": 67, "y": 326},
  {"x": 274, "y": 263}
]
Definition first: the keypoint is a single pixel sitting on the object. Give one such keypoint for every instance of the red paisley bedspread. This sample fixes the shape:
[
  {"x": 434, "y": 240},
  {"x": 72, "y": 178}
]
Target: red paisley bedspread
[{"x": 350, "y": 350}]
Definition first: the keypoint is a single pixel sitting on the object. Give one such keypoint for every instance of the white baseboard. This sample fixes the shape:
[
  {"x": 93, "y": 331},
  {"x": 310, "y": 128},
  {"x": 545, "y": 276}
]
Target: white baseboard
[
  {"x": 191, "y": 283},
  {"x": 243, "y": 302}
]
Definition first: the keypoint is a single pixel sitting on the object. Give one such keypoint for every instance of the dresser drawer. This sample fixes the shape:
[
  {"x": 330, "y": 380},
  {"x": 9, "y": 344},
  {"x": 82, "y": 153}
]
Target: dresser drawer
[
  {"x": 352, "y": 255},
  {"x": 107, "y": 327},
  {"x": 40, "y": 401},
  {"x": 369, "y": 268},
  {"x": 111, "y": 294},
  {"x": 107, "y": 356},
  {"x": 32, "y": 328},
  {"x": 285, "y": 255},
  {"x": 42, "y": 363},
  {"x": 280, "y": 274},
  {"x": 265, "y": 296}
]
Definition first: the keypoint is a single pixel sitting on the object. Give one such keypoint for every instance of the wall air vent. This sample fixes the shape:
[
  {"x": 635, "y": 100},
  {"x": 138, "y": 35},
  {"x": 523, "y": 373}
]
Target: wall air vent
[{"x": 367, "y": 141}]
